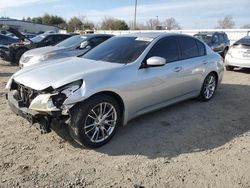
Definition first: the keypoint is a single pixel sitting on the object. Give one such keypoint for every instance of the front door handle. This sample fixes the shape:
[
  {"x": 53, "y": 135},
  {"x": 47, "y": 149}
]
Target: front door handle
[{"x": 177, "y": 69}]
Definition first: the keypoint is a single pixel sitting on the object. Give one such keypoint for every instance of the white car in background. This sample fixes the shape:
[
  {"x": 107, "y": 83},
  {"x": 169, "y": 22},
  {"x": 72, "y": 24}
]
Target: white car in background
[{"x": 238, "y": 54}]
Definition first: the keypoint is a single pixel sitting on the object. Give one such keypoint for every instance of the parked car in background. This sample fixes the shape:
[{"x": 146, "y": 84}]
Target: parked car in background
[
  {"x": 16, "y": 50},
  {"x": 122, "y": 78},
  {"x": 74, "y": 46},
  {"x": 218, "y": 41},
  {"x": 238, "y": 54},
  {"x": 29, "y": 35},
  {"x": 5, "y": 40}
]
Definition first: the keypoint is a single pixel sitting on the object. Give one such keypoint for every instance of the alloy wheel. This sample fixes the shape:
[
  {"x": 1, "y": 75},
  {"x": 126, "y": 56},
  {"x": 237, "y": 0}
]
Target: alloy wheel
[
  {"x": 209, "y": 87},
  {"x": 100, "y": 122}
]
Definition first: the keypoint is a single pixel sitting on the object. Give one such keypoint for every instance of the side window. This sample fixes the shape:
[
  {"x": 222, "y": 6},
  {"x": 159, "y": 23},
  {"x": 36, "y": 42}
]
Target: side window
[
  {"x": 221, "y": 38},
  {"x": 166, "y": 48},
  {"x": 62, "y": 37},
  {"x": 188, "y": 47},
  {"x": 47, "y": 41},
  {"x": 96, "y": 41},
  {"x": 56, "y": 39},
  {"x": 215, "y": 39},
  {"x": 201, "y": 48},
  {"x": 225, "y": 37}
]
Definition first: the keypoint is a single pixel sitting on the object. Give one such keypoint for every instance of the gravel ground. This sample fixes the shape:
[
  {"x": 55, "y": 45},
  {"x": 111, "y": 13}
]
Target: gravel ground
[{"x": 191, "y": 144}]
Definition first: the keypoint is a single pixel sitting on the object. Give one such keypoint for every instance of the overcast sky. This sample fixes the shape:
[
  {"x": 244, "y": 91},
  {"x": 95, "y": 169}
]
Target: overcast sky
[{"x": 191, "y": 14}]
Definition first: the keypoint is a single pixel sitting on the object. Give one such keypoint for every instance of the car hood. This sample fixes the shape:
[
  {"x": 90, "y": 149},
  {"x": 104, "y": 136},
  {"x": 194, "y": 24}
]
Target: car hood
[
  {"x": 43, "y": 50},
  {"x": 60, "y": 72}
]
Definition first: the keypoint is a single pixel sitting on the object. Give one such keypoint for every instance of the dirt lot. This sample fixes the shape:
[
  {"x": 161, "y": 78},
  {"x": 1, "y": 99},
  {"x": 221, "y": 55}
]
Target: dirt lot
[{"x": 191, "y": 144}]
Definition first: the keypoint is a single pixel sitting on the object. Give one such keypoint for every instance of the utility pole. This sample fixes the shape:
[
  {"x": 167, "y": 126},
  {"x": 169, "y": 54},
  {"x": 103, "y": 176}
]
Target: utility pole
[{"x": 135, "y": 14}]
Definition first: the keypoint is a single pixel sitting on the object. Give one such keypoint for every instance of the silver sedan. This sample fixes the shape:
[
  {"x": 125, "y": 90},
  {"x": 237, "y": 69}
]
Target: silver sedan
[{"x": 122, "y": 78}]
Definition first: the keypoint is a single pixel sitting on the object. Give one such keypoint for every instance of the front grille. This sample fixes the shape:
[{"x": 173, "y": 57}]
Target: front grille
[{"x": 24, "y": 95}]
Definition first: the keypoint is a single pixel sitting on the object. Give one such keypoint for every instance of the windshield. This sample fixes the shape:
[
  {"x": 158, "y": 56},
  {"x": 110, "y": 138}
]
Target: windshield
[
  {"x": 244, "y": 41},
  {"x": 72, "y": 41},
  {"x": 38, "y": 38},
  {"x": 203, "y": 37},
  {"x": 119, "y": 50}
]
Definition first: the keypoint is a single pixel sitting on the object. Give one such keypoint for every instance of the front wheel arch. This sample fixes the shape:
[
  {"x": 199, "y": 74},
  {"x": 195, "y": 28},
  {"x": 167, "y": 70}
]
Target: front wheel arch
[
  {"x": 112, "y": 94},
  {"x": 79, "y": 113}
]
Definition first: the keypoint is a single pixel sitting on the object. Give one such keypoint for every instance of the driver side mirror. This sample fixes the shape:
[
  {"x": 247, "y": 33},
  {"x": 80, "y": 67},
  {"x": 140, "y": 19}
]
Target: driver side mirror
[
  {"x": 84, "y": 44},
  {"x": 156, "y": 61}
]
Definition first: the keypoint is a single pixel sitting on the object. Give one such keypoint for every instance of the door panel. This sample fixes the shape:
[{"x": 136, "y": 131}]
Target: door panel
[
  {"x": 191, "y": 73},
  {"x": 157, "y": 85}
]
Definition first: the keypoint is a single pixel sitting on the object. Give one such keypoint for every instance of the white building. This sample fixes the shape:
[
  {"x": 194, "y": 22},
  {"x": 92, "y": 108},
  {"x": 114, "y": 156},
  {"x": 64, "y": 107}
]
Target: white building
[{"x": 28, "y": 27}]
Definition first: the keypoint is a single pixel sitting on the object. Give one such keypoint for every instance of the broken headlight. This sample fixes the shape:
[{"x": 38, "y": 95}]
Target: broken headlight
[
  {"x": 64, "y": 92},
  {"x": 54, "y": 101}
]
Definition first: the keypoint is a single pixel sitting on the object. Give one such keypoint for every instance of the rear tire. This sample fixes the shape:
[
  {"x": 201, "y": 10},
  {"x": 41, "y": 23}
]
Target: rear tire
[
  {"x": 229, "y": 68},
  {"x": 94, "y": 122},
  {"x": 208, "y": 88}
]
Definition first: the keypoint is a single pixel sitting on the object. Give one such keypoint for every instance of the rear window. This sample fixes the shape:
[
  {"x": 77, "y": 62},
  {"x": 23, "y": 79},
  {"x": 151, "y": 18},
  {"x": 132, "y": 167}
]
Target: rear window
[
  {"x": 204, "y": 37},
  {"x": 244, "y": 41}
]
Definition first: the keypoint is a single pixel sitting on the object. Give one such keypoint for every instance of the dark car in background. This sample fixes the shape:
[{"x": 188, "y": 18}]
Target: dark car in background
[
  {"x": 74, "y": 46},
  {"x": 218, "y": 41},
  {"x": 5, "y": 40},
  {"x": 16, "y": 50}
]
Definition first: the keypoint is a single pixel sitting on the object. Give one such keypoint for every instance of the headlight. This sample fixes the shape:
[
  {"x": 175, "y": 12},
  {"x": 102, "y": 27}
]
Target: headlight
[
  {"x": 65, "y": 91},
  {"x": 54, "y": 101},
  {"x": 43, "y": 103},
  {"x": 25, "y": 59},
  {"x": 44, "y": 57}
]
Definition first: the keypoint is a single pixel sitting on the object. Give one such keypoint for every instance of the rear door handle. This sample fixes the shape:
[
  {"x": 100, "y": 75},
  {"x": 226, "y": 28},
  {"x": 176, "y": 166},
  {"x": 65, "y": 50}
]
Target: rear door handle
[
  {"x": 204, "y": 62},
  {"x": 177, "y": 69}
]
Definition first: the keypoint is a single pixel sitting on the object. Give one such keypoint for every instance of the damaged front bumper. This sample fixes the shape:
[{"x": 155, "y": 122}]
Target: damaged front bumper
[{"x": 41, "y": 119}]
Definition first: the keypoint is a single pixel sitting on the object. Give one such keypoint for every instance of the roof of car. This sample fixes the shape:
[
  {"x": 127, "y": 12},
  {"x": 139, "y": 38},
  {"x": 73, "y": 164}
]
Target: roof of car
[
  {"x": 97, "y": 35},
  {"x": 49, "y": 34},
  {"x": 152, "y": 35},
  {"x": 209, "y": 32}
]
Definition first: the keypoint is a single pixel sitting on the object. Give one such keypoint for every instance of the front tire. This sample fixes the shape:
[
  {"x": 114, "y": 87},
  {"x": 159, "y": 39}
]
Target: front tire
[
  {"x": 208, "y": 88},
  {"x": 94, "y": 122},
  {"x": 229, "y": 68}
]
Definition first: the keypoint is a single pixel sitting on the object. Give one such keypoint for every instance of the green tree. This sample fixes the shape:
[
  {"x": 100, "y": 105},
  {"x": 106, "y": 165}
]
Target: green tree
[
  {"x": 113, "y": 24},
  {"x": 49, "y": 19},
  {"x": 74, "y": 24}
]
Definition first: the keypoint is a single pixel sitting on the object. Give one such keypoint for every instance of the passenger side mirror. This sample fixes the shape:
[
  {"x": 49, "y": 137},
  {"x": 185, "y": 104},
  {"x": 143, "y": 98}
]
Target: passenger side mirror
[
  {"x": 156, "y": 61},
  {"x": 84, "y": 44}
]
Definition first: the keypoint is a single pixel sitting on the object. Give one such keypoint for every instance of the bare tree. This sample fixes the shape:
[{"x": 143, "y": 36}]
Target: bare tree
[
  {"x": 247, "y": 26},
  {"x": 152, "y": 24},
  {"x": 226, "y": 23},
  {"x": 171, "y": 24},
  {"x": 86, "y": 24}
]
